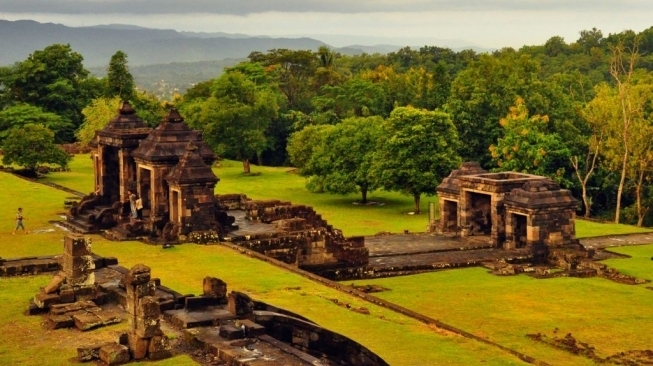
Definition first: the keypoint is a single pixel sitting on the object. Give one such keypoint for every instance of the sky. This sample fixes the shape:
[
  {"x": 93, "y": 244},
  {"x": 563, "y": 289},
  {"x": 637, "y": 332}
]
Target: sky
[{"x": 451, "y": 23}]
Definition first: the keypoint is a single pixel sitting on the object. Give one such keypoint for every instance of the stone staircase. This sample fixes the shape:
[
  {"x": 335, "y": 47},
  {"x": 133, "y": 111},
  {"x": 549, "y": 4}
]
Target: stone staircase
[{"x": 84, "y": 223}]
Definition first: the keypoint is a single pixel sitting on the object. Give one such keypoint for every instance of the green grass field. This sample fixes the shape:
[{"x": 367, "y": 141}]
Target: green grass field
[{"x": 609, "y": 316}]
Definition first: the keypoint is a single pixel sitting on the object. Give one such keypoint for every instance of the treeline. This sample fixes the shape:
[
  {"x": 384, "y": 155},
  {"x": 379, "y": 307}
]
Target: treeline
[{"x": 577, "y": 112}]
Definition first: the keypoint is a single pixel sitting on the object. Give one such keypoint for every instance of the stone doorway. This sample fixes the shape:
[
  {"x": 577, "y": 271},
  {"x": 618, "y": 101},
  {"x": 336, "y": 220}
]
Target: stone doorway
[
  {"x": 174, "y": 206},
  {"x": 480, "y": 213},
  {"x": 145, "y": 191},
  {"x": 450, "y": 216},
  {"x": 520, "y": 223},
  {"x": 111, "y": 171}
]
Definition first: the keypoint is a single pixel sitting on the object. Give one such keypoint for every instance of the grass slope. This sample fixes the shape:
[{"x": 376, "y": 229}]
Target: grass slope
[
  {"x": 609, "y": 316},
  {"x": 183, "y": 268}
]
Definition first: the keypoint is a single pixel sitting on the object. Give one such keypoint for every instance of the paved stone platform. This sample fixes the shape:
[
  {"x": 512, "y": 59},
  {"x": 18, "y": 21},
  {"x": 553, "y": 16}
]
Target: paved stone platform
[{"x": 431, "y": 251}]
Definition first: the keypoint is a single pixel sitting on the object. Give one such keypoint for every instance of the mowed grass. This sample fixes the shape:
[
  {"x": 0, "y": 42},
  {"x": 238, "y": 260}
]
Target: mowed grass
[
  {"x": 609, "y": 316},
  {"x": 183, "y": 269},
  {"x": 640, "y": 263},
  {"x": 588, "y": 229}
]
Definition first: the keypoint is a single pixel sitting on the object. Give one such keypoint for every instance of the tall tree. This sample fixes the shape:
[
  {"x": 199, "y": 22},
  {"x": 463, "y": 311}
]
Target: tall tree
[
  {"x": 235, "y": 118},
  {"x": 629, "y": 110},
  {"x": 96, "y": 116},
  {"x": 342, "y": 161},
  {"x": 19, "y": 115},
  {"x": 51, "y": 79},
  {"x": 527, "y": 147},
  {"x": 120, "y": 81},
  {"x": 418, "y": 149}
]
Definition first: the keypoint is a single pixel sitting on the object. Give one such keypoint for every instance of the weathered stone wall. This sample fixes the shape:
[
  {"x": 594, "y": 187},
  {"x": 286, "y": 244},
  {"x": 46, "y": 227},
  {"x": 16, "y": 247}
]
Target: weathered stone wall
[{"x": 315, "y": 340}]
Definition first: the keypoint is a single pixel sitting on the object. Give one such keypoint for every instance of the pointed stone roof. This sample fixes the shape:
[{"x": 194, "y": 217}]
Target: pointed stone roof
[
  {"x": 191, "y": 168},
  {"x": 167, "y": 143},
  {"x": 125, "y": 129}
]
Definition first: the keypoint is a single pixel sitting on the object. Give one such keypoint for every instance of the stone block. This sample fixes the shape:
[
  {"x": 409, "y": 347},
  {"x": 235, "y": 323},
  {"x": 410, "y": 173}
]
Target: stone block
[
  {"x": 159, "y": 348},
  {"x": 44, "y": 301},
  {"x": 229, "y": 331},
  {"x": 110, "y": 261},
  {"x": 85, "y": 292},
  {"x": 90, "y": 353},
  {"x": 109, "y": 317},
  {"x": 76, "y": 245},
  {"x": 74, "y": 267},
  {"x": 252, "y": 329},
  {"x": 55, "y": 283},
  {"x": 240, "y": 303},
  {"x": 87, "y": 321},
  {"x": 147, "y": 328},
  {"x": 198, "y": 302},
  {"x": 137, "y": 346},
  {"x": 137, "y": 275},
  {"x": 148, "y": 308},
  {"x": 214, "y": 287},
  {"x": 114, "y": 354},
  {"x": 84, "y": 279},
  {"x": 60, "y": 321},
  {"x": 66, "y": 294}
]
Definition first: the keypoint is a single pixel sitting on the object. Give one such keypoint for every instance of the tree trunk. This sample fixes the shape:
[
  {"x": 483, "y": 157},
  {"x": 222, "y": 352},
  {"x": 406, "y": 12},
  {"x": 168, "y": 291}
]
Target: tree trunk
[
  {"x": 416, "y": 197},
  {"x": 641, "y": 211},
  {"x": 364, "y": 194},
  {"x": 246, "y": 166},
  {"x": 259, "y": 159},
  {"x": 621, "y": 186}
]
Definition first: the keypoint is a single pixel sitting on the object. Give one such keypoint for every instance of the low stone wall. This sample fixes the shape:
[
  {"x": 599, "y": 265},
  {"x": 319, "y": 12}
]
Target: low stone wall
[{"x": 315, "y": 340}]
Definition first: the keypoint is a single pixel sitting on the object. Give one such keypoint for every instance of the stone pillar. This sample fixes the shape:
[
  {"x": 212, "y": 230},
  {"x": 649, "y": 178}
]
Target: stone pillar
[
  {"x": 145, "y": 336},
  {"x": 78, "y": 265}
]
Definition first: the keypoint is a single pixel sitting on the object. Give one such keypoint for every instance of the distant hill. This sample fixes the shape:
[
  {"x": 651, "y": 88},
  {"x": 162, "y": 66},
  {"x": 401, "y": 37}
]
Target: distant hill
[
  {"x": 165, "y": 80},
  {"x": 143, "y": 46}
]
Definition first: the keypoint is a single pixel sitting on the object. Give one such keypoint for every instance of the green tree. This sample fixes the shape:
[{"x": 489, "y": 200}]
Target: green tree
[
  {"x": 96, "y": 116},
  {"x": 418, "y": 149},
  {"x": 32, "y": 145},
  {"x": 21, "y": 114},
  {"x": 292, "y": 71},
  {"x": 51, "y": 79},
  {"x": 526, "y": 146},
  {"x": 235, "y": 118},
  {"x": 302, "y": 143},
  {"x": 481, "y": 95},
  {"x": 342, "y": 160},
  {"x": 120, "y": 81}
]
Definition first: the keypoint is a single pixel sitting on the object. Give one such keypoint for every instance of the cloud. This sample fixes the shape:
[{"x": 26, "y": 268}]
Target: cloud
[{"x": 245, "y": 7}]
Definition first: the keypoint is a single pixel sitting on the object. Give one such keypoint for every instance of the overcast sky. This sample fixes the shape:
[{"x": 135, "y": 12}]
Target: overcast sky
[{"x": 485, "y": 23}]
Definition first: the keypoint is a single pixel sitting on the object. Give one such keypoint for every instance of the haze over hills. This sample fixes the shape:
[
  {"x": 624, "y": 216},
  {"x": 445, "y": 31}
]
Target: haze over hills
[{"x": 146, "y": 46}]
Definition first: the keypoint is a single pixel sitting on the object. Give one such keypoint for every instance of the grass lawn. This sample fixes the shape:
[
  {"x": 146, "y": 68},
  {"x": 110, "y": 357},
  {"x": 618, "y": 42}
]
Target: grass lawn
[
  {"x": 588, "y": 229},
  {"x": 609, "y": 316},
  {"x": 639, "y": 265},
  {"x": 183, "y": 269}
]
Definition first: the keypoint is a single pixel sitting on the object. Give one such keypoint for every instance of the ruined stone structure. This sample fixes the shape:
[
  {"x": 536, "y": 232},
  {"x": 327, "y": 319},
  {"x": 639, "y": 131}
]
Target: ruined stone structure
[
  {"x": 514, "y": 210},
  {"x": 294, "y": 234},
  {"x": 169, "y": 168}
]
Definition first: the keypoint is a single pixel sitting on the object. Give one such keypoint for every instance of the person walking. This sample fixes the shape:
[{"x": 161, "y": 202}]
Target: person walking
[{"x": 19, "y": 221}]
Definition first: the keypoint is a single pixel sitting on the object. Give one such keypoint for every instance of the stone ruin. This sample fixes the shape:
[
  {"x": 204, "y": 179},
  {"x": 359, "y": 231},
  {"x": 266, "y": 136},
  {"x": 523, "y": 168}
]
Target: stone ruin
[
  {"x": 224, "y": 327},
  {"x": 293, "y": 234},
  {"x": 514, "y": 210},
  {"x": 168, "y": 167}
]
